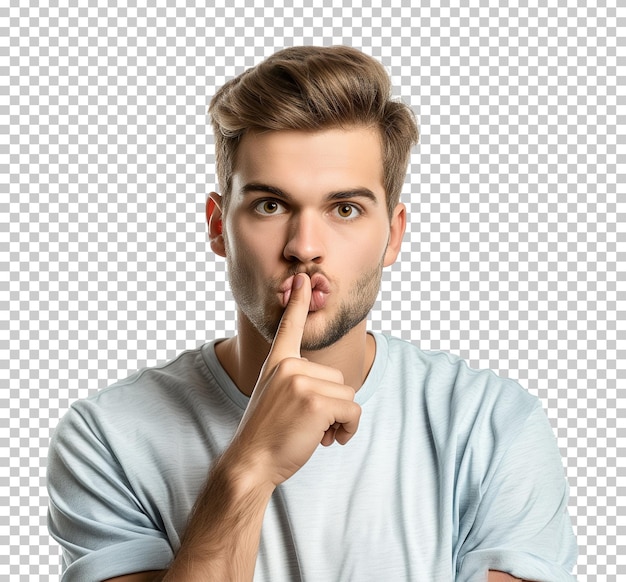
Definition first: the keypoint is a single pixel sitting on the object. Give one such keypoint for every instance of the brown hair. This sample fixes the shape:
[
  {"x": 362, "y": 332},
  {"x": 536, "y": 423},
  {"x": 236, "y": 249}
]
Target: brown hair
[{"x": 312, "y": 88}]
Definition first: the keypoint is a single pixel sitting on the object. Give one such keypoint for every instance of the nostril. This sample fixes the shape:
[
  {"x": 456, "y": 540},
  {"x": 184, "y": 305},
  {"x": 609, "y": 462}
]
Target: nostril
[{"x": 297, "y": 259}]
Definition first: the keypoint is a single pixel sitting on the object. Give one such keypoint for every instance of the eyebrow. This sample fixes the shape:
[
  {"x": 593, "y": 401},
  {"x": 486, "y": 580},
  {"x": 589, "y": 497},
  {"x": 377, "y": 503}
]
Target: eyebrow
[{"x": 360, "y": 192}]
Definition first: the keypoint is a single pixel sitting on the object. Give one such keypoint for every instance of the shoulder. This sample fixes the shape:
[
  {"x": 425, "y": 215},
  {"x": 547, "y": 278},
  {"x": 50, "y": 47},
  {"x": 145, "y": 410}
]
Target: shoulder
[
  {"x": 156, "y": 420},
  {"x": 446, "y": 377},
  {"x": 146, "y": 396},
  {"x": 458, "y": 399}
]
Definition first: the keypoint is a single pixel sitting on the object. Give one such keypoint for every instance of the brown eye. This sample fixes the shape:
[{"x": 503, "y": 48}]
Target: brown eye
[
  {"x": 268, "y": 207},
  {"x": 347, "y": 211}
]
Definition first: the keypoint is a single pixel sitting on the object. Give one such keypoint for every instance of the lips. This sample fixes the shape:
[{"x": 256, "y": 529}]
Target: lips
[{"x": 320, "y": 289}]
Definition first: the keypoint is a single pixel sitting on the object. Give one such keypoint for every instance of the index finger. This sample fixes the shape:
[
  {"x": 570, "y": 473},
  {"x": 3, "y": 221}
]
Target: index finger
[{"x": 288, "y": 337}]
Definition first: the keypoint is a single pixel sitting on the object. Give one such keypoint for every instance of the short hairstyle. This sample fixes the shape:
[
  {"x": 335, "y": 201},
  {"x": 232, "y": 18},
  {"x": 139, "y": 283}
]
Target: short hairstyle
[{"x": 312, "y": 88}]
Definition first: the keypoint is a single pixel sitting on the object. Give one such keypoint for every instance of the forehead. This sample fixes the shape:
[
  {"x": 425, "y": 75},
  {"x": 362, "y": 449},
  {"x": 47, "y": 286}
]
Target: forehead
[{"x": 311, "y": 162}]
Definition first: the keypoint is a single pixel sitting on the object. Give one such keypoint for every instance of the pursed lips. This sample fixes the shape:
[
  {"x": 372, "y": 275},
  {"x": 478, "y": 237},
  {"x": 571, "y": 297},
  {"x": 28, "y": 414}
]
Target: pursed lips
[{"x": 320, "y": 290}]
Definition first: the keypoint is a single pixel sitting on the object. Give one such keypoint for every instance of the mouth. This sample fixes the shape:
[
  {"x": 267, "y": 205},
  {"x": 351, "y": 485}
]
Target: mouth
[{"x": 320, "y": 290}]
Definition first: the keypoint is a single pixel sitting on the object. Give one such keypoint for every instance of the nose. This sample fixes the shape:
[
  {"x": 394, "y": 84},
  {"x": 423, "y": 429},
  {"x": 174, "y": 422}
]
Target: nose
[{"x": 305, "y": 240}]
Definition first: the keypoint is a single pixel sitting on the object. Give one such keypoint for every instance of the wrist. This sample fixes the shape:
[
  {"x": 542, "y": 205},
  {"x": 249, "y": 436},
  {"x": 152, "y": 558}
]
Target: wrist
[{"x": 244, "y": 475}]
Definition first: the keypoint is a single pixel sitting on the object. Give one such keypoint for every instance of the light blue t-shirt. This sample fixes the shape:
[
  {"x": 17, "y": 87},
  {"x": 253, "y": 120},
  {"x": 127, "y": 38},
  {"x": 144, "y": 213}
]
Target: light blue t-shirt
[{"x": 452, "y": 472}]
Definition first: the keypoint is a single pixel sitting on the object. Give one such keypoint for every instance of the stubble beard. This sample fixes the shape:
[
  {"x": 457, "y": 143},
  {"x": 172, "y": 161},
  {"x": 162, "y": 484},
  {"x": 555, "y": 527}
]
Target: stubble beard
[{"x": 265, "y": 317}]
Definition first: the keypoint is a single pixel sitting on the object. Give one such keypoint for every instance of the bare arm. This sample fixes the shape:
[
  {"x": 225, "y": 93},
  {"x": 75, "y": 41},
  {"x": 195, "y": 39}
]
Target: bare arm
[
  {"x": 496, "y": 576},
  {"x": 222, "y": 538},
  {"x": 223, "y": 533}
]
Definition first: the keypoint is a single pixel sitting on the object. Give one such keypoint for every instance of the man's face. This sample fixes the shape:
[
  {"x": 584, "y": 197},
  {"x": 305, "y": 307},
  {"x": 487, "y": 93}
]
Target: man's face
[{"x": 309, "y": 202}]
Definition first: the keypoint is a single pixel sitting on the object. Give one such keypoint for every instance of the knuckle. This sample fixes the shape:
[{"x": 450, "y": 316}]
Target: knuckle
[
  {"x": 288, "y": 367},
  {"x": 299, "y": 384},
  {"x": 310, "y": 401},
  {"x": 338, "y": 379},
  {"x": 349, "y": 393}
]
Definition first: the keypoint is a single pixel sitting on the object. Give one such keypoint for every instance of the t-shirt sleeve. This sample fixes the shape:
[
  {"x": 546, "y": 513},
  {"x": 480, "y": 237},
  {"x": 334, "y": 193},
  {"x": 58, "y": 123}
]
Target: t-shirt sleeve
[
  {"x": 521, "y": 525},
  {"x": 93, "y": 512}
]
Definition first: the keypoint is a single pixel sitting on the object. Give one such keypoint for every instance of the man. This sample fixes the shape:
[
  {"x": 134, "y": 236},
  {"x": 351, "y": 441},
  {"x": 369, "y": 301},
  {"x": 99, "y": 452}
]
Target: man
[{"x": 210, "y": 467}]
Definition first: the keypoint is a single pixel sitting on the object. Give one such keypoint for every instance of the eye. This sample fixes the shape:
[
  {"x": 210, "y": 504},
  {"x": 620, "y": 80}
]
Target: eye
[
  {"x": 269, "y": 207},
  {"x": 347, "y": 211}
]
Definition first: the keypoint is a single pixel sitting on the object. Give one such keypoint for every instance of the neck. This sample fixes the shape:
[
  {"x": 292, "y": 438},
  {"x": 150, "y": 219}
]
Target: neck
[{"x": 243, "y": 355}]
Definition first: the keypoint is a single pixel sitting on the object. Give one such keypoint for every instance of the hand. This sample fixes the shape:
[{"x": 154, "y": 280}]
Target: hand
[{"x": 296, "y": 404}]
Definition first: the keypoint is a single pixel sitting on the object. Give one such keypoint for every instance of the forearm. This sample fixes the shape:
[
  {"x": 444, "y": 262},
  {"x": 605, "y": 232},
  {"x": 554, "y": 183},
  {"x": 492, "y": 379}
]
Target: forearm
[{"x": 222, "y": 536}]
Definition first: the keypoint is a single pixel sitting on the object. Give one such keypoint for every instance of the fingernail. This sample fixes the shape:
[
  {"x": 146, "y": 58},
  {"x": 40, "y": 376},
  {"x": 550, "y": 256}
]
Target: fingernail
[{"x": 298, "y": 281}]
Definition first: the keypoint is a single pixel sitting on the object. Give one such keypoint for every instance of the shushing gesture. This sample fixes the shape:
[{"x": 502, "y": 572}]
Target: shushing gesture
[{"x": 296, "y": 404}]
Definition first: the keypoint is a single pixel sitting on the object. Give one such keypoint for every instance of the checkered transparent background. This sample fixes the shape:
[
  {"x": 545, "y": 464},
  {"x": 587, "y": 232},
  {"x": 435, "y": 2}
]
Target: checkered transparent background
[{"x": 511, "y": 258}]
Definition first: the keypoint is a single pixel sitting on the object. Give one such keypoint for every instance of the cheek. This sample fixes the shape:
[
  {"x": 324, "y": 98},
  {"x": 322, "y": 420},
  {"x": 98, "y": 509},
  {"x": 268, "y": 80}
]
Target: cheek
[
  {"x": 367, "y": 248},
  {"x": 250, "y": 249},
  {"x": 236, "y": 240}
]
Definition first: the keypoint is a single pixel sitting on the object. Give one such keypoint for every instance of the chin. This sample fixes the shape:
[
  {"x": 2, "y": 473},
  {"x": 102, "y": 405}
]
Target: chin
[{"x": 325, "y": 334}]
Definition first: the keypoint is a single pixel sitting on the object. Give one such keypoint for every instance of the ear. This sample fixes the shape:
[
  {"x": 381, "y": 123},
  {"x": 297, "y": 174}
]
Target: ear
[
  {"x": 214, "y": 221},
  {"x": 396, "y": 234}
]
